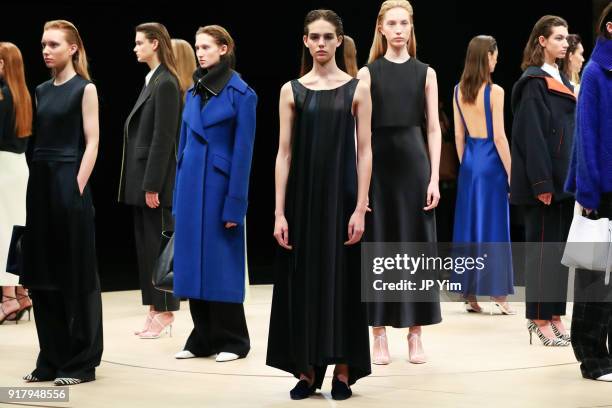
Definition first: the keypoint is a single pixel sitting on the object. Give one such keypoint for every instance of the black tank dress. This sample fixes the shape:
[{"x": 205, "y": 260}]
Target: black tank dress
[
  {"x": 400, "y": 176},
  {"x": 59, "y": 248},
  {"x": 317, "y": 316}
]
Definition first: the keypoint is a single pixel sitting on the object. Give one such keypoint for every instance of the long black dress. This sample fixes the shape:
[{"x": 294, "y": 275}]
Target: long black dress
[
  {"x": 317, "y": 316},
  {"x": 400, "y": 176},
  {"x": 59, "y": 243}
]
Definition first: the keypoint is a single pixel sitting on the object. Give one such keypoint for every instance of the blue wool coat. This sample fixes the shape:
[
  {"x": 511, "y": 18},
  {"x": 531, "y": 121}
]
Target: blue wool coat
[
  {"x": 212, "y": 181},
  {"x": 590, "y": 173}
]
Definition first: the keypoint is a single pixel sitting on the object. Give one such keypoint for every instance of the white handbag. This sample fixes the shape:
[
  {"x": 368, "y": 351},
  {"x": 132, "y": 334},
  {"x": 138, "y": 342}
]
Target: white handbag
[{"x": 589, "y": 244}]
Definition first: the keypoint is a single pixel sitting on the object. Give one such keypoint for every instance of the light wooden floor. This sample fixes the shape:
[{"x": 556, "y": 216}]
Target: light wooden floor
[{"x": 474, "y": 361}]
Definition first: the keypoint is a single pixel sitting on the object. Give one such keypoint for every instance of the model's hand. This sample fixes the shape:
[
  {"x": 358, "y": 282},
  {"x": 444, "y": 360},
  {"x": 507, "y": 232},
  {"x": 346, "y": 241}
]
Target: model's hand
[
  {"x": 281, "y": 231},
  {"x": 152, "y": 199},
  {"x": 81, "y": 185},
  {"x": 230, "y": 225},
  {"x": 546, "y": 198},
  {"x": 356, "y": 227},
  {"x": 433, "y": 196}
]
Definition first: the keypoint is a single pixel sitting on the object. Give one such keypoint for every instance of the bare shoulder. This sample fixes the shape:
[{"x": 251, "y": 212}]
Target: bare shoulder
[
  {"x": 90, "y": 89},
  {"x": 286, "y": 93},
  {"x": 497, "y": 90},
  {"x": 363, "y": 86},
  {"x": 497, "y": 95},
  {"x": 90, "y": 93},
  {"x": 431, "y": 73},
  {"x": 364, "y": 74}
]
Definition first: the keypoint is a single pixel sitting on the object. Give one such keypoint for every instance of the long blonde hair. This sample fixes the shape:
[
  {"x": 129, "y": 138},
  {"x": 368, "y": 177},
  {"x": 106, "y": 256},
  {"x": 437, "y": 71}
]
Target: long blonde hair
[
  {"x": 379, "y": 44},
  {"x": 79, "y": 58},
  {"x": 14, "y": 77},
  {"x": 350, "y": 56},
  {"x": 185, "y": 63}
]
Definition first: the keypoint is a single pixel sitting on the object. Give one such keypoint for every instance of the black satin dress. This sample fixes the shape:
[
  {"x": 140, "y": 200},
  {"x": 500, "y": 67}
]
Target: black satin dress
[
  {"x": 400, "y": 176},
  {"x": 317, "y": 316}
]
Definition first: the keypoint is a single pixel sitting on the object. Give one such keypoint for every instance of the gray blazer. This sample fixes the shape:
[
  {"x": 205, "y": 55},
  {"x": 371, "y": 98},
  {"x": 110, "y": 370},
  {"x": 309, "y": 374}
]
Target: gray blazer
[{"x": 150, "y": 137}]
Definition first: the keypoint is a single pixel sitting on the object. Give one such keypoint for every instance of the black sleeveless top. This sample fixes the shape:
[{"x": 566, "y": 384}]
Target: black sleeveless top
[
  {"x": 398, "y": 92},
  {"x": 59, "y": 121},
  {"x": 9, "y": 142}
]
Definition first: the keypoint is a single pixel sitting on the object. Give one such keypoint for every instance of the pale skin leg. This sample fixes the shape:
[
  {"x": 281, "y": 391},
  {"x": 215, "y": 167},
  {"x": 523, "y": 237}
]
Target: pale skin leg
[{"x": 9, "y": 301}]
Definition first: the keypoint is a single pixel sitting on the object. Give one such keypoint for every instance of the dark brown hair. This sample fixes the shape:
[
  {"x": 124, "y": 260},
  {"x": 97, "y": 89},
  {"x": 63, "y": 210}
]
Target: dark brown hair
[
  {"x": 157, "y": 31},
  {"x": 533, "y": 55},
  {"x": 573, "y": 41},
  {"x": 476, "y": 70},
  {"x": 221, "y": 37},
  {"x": 332, "y": 18},
  {"x": 605, "y": 18}
]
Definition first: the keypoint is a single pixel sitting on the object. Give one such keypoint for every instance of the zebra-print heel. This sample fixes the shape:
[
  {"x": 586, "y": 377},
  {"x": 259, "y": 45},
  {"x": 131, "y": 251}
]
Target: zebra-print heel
[
  {"x": 548, "y": 342},
  {"x": 565, "y": 337},
  {"x": 31, "y": 378},
  {"x": 67, "y": 381}
]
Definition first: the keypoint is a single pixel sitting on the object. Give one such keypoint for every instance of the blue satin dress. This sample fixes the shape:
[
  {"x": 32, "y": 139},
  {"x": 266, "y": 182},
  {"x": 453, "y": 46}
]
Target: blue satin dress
[{"x": 482, "y": 213}]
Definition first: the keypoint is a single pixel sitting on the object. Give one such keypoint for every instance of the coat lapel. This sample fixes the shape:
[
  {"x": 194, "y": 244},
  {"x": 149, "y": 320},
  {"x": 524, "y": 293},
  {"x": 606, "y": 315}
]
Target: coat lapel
[
  {"x": 146, "y": 92},
  {"x": 192, "y": 114},
  {"x": 218, "y": 109}
]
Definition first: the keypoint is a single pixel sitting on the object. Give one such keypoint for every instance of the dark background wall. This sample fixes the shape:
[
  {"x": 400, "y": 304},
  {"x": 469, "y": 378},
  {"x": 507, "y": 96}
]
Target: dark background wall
[{"x": 268, "y": 38}]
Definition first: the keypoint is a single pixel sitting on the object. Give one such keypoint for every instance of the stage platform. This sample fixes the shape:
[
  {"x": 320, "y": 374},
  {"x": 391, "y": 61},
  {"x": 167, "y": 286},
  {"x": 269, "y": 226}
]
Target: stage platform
[{"x": 475, "y": 360}]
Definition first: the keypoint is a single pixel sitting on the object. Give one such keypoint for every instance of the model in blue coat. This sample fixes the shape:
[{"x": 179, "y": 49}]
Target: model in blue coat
[{"x": 210, "y": 200}]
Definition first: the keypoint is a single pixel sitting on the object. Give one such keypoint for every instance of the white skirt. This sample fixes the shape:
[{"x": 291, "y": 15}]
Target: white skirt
[{"x": 13, "y": 185}]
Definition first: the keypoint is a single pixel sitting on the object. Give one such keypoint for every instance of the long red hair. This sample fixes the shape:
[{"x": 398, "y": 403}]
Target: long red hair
[{"x": 14, "y": 77}]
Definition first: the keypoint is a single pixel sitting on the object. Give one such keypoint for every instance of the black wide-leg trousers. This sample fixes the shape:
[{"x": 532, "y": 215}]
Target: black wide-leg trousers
[
  {"x": 218, "y": 327},
  {"x": 148, "y": 226},
  {"x": 69, "y": 332}
]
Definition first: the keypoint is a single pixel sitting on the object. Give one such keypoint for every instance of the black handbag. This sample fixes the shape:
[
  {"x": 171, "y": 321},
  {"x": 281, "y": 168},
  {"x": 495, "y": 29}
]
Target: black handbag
[
  {"x": 14, "y": 262},
  {"x": 163, "y": 271}
]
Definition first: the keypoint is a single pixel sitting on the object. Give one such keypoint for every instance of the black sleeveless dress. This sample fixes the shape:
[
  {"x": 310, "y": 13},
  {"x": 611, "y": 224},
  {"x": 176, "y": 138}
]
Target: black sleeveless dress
[
  {"x": 400, "y": 176},
  {"x": 59, "y": 247},
  {"x": 317, "y": 316}
]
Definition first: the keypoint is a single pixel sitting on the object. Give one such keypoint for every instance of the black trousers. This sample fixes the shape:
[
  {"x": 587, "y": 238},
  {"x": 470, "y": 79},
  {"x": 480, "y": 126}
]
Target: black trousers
[
  {"x": 545, "y": 277},
  {"x": 592, "y": 315},
  {"x": 69, "y": 334},
  {"x": 148, "y": 226},
  {"x": 217, "y": 327}
]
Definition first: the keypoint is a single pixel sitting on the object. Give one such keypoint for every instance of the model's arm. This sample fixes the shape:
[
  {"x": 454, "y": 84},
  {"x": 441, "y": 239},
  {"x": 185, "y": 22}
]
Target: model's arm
[
  {"x": 364, "y": 76},
  {"x": 529, "y": 132},
  {"x": 167, "y": 116},
  {"x": 459, "y": 130},
  {"x": 434, "y": 138},
  {"x": 588, "y": 140},
  {"x": 91, "y": 129},
  {"x": 236, "y": 200},
  {"x": 283, "y": 163},
  {"x": 363, "y": 114},
  {"x": 499, "y": 131}
]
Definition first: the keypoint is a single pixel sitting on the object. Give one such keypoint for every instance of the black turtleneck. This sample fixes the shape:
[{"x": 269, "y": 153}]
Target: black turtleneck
[
  {"x": 9, "y": 142},
  {"x": 210, "y": 82}
]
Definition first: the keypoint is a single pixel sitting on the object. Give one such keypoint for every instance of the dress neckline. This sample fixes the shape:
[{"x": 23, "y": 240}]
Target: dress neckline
[
  {"x": 63, "y": 83},
  {"x": 398, "y": 63},
  {"x": 323, "y": 90}
]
